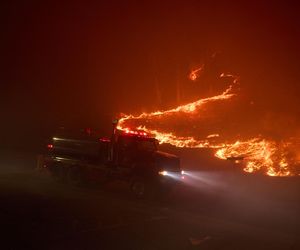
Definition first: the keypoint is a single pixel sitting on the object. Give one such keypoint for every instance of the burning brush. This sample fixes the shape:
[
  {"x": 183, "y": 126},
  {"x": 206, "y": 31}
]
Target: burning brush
[{"x": 258, "y": 154}]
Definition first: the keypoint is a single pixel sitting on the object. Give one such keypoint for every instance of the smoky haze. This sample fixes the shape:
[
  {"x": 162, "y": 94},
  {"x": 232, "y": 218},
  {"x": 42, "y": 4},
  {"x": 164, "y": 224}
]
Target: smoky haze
[{"x": 81, "y": 65}]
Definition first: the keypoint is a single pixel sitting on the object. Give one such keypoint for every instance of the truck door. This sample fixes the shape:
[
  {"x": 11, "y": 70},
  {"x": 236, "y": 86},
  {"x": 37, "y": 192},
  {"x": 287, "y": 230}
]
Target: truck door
[
  {"x": 126, "y": 151},
  {"x": 126, "y": 155}
]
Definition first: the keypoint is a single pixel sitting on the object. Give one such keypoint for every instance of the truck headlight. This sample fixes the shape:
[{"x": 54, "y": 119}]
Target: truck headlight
[
  {"x": 163, "y": 173},
  {"x": 182, "y": 172}
]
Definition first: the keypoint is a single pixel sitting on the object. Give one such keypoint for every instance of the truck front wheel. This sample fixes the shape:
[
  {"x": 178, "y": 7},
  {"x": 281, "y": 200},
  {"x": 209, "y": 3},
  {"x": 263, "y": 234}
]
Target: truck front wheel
[{"x": 141, "y": 188}]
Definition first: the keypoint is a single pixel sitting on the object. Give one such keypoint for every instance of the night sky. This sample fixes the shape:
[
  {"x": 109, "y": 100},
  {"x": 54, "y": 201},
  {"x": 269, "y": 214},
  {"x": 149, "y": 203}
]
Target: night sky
[{"x": 80, "y": 64}]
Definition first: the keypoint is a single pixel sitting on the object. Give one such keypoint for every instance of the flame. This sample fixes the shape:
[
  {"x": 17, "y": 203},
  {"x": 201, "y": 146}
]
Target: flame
[
  {"x": 187, "y": 108},
  {"x": 259, "y": 154},
  {"x": 212, "y": 136},
  {"x": 195, "y": 73},
  {"x": 228, "y": 75}
]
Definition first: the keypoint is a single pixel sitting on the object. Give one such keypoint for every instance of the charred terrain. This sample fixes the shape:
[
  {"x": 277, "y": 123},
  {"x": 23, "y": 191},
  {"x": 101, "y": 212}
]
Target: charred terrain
[{"x": 218, "y": 209}]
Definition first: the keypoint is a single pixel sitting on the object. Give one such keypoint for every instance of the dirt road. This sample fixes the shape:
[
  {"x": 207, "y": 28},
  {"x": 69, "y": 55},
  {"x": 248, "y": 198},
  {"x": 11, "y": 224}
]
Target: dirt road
[{"x": 218, "y": 210}]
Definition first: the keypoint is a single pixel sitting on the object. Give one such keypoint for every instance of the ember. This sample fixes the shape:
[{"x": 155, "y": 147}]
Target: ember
[{"x": 194, "y": 75}]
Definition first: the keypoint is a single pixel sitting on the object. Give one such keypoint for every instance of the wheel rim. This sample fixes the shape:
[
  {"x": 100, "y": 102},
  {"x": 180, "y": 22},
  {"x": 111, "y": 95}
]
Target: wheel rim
[{"x": 138, "y": 188}]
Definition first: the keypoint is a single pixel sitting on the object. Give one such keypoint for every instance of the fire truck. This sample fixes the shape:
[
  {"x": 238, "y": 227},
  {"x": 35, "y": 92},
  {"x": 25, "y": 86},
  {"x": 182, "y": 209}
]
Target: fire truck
[{"x": 128, "y": 155}]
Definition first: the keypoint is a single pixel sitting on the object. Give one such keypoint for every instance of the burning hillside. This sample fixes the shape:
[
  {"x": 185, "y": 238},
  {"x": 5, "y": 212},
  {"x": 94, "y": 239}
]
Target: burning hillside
[{"x": 272, "y": 157}]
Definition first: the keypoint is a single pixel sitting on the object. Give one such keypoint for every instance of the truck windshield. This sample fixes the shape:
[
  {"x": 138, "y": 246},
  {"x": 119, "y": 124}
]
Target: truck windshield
[
  {"x": 142, "y": 144},
  {"x": 146, "y": 145}
]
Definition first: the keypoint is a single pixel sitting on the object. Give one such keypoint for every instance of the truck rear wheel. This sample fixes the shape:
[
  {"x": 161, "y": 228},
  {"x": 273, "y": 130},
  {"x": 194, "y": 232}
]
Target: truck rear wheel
[
  {"x": 58, "y": 173},
  {"x": 75, "y": 176}
]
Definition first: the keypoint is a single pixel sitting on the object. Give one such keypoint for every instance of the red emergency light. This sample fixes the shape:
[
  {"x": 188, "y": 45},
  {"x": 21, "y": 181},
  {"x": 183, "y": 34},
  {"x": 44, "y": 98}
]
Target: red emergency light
[
  {"x": 50, "y": 146},
  {"x": 138, "y": 133}
]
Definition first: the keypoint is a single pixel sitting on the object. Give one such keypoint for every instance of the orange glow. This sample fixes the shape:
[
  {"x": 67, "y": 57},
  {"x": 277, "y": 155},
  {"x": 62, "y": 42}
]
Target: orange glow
[{"x": 257, "y": 154}]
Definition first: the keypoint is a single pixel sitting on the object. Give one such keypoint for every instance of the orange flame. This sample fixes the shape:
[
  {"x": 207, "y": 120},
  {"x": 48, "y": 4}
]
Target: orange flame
[
  {"x": 195, "y": 73},
  {"x": 187, "y": 108},
  {"x": 259, "y": 154}
]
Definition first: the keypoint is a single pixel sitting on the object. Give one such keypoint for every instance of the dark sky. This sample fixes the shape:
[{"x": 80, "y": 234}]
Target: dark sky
[{"x": 79, "y": 64}]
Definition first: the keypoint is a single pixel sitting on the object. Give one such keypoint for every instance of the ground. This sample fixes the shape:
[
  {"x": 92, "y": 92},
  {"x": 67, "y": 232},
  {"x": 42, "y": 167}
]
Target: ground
[{"x": 216, "y": 210}]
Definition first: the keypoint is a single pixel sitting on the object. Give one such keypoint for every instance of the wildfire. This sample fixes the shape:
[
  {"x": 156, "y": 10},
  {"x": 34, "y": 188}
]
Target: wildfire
[
  {"x": 187, "y": 108},
  {"x": 258, "y": 154}
]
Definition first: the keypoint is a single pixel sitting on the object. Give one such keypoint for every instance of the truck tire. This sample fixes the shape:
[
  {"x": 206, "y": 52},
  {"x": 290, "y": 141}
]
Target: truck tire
[
  {"x": 75, "y": 176},
  {"x": 59, "y": 173},
  {"x": 141, "y": 188}
]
